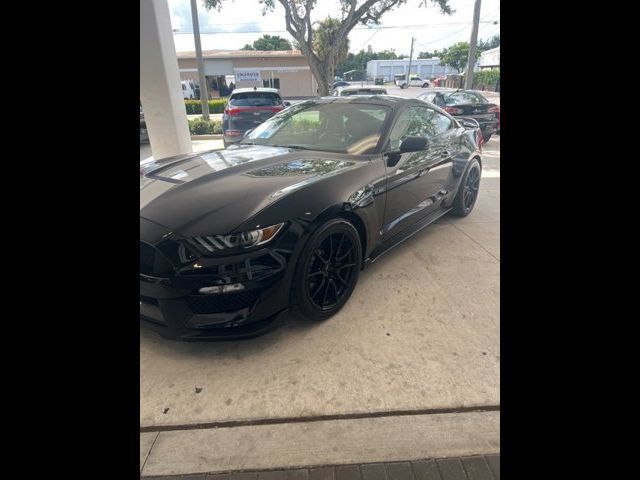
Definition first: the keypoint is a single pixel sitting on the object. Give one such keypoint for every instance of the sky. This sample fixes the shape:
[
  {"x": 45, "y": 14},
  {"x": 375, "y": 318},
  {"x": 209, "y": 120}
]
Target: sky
[{"x": 241, "y": 22}]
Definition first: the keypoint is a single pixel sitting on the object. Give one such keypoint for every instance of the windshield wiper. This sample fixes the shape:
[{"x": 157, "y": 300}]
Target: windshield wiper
[{"x": 299, "y": 147}]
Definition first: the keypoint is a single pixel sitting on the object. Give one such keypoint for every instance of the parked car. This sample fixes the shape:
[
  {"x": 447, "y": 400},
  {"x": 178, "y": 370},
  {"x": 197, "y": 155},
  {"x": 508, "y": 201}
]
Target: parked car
[
  {"x": 354, "y": 90},
  {"x": 340, "y": 83},
  {"x": 287, "y": 218},
  {"x": 189, "y": 90},
  {"x": 416, "y": 81},
  {"x": 467, "y": 103},
  {"x": 246, "y": 109}
]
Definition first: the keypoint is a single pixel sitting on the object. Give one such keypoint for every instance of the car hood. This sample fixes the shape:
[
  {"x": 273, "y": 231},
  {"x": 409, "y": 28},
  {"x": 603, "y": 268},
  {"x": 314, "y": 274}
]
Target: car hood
[{"x": 215, "y": 192}]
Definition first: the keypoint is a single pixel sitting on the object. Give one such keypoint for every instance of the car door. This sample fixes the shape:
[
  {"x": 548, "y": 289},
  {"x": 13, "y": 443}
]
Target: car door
[{"x": 415, "y": 181}]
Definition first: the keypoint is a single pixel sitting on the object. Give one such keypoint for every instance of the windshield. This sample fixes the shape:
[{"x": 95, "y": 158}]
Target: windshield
[
  {"x": 353, "y": 128},
  {"x": 464, "y": 98},
  {"x": 255, "y": 99}
]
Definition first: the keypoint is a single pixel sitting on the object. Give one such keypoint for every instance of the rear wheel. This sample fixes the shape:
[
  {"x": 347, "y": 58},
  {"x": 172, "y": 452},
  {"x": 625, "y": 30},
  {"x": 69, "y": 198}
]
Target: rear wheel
[
  {"x": 486, "y": 137},
  {"x": 468, "y": 190},
  {"x": 327, "y": 270},
  {"x": 425, "y": 85}
]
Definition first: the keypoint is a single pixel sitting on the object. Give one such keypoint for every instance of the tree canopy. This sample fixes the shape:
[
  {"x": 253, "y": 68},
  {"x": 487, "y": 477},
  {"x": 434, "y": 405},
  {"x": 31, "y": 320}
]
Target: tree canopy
[{"x": 268, "y": 42}]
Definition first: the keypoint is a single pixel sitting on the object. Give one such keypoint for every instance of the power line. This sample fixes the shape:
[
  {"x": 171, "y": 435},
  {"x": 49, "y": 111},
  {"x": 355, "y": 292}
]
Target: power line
[
  {"x": 425, "y": 25},
  {"x": 461, "y": 30}
]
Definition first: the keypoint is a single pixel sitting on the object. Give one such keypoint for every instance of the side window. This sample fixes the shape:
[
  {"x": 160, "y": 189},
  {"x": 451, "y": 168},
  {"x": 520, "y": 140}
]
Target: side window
[
  {"x": 417, "y": 121},
  {"x": 443, "y": 123},
  {"x": 401, "y": 128}
]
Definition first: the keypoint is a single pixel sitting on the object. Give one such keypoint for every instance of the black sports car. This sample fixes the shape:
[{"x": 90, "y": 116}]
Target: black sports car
[
  {"x": 289, "y": 216},
  {"x": 469, "y": 104}
]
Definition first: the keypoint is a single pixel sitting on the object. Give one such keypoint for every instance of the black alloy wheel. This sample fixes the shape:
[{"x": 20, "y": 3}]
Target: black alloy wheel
[
  {"x": 468, "y": 190},
  {"x": 328, "y": 270}
]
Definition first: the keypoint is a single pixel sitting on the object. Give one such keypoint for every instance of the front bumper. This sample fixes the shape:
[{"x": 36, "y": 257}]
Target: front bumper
[{"x": 170, "y": 302}]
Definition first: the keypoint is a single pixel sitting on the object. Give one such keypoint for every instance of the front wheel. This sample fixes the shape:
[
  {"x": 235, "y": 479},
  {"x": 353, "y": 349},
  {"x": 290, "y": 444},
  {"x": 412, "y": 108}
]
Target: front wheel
[
  {"x": 468, "y": 190},
  {"x": 425, "y": 85},
  {"x": 404, "y": 85},
  {"x": 327, "y": 270},
  {"x": 486, "y": 138}
]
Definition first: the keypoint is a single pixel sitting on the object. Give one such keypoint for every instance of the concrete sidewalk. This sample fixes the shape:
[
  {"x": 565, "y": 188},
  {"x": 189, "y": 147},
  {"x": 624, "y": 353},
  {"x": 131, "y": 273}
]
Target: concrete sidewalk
[{"x": 312, "y": 444}]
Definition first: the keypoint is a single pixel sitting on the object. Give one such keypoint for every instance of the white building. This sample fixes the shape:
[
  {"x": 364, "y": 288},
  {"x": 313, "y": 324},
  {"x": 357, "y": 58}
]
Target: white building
[
  {"x": 424, "y": 67},
  {"x": 489, "y": 59}
]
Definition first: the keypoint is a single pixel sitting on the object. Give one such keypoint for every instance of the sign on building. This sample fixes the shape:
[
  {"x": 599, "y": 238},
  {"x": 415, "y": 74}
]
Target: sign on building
[{"x": 247, "y": 75}]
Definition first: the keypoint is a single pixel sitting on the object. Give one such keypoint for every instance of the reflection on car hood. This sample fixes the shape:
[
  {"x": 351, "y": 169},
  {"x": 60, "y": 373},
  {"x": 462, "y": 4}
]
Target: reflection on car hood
[{"x": 219, "y": 190}]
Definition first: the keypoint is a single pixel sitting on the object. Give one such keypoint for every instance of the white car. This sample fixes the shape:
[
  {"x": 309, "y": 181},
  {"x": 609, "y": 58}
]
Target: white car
[
  {"x": 401, "y": 81},
  {"x": 354, "y": 90},
  {"x": 188, "y": 90}
]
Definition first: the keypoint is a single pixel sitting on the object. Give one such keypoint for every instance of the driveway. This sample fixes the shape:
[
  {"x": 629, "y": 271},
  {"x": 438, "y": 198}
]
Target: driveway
[{"x": 421, "y": 331}]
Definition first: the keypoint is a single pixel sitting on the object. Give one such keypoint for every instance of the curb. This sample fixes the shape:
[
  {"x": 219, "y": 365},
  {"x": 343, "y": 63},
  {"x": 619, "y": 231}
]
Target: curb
[{"x": 216, "y": 136}]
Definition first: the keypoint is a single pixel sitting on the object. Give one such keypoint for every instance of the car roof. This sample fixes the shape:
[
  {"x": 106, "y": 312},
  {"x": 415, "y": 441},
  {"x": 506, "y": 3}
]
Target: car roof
[
  {"x": 387, "y": 100},
  {"x": 366, "y": 87},
  {"x": 261, "y": 89}
]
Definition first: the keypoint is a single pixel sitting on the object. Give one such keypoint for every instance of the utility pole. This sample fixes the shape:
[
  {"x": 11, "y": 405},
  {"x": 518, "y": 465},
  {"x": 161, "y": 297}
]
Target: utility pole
[
  {"x": 204, "y": 95},
  {"x": 468, "y": 83},
  {"x": 410, "y": 57}
]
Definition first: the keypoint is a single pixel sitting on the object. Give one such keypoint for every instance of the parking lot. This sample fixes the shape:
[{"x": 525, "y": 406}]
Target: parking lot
[{"x": 420, "y": 333}]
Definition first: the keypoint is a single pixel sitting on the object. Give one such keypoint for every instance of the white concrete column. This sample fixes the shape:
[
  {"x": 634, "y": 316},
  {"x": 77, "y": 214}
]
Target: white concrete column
[{"x": 160, "y": 90}]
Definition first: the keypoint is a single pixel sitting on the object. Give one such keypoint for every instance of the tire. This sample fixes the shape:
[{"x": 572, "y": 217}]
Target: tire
[
  {"x": 225, "y": 143},
  {"x": 425, "y": 85},
  {"x": 462, "y": 204},
  {"x": 403, "y": 86},
  {"x": 319, "y": 289},
  {"x": 486, "y": 138}
]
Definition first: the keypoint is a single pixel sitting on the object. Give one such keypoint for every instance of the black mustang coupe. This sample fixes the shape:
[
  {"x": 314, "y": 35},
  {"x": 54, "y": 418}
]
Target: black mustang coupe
[{"x": 287, "y": 218}]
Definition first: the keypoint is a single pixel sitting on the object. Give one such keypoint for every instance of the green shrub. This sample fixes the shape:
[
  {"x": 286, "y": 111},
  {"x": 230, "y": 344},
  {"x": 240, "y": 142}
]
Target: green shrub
[
  {"x": 486, "y": 78},
  {"x": 200, "y": 126},
  {"x": 194, "y": 107}
]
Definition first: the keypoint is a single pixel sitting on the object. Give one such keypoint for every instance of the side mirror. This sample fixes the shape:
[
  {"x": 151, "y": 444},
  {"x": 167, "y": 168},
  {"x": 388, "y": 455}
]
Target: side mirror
[
  {"x": 286, "y": 104},
  {"x": 413, "y": 144}
]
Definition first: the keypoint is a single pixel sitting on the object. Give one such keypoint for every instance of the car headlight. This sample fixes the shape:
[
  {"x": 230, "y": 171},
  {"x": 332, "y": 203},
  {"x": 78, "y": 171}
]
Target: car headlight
[{"x": 216, "y": 243}]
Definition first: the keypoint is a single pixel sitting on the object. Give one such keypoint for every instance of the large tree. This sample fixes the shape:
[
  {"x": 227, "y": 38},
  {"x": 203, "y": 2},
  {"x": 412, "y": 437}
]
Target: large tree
[
  {"x": 300, "y": 26},
  {"x": 269, "y": 42},
  {"x": 456, "y": 56},
  {"x": 493, "y": 42},
  {"x": 324, "y": 37}
]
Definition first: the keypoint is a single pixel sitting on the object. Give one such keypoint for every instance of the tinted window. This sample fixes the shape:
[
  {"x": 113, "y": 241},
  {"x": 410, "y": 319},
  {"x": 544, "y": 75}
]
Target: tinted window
[
  {"x": 415, "y": 121},
  {"x": 464, "y": 98},
  {"x": 335, "y": 127},
  {"x": 429, "y": 97},
  {"x": 255, "y": 99},
  {"x": 443, "y": 122}
]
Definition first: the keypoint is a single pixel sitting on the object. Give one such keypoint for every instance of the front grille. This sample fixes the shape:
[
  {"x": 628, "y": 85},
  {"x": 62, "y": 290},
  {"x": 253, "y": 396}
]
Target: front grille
[
  {"x": 147, "y": 258},
  {"x": 224, "y": 302}
]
